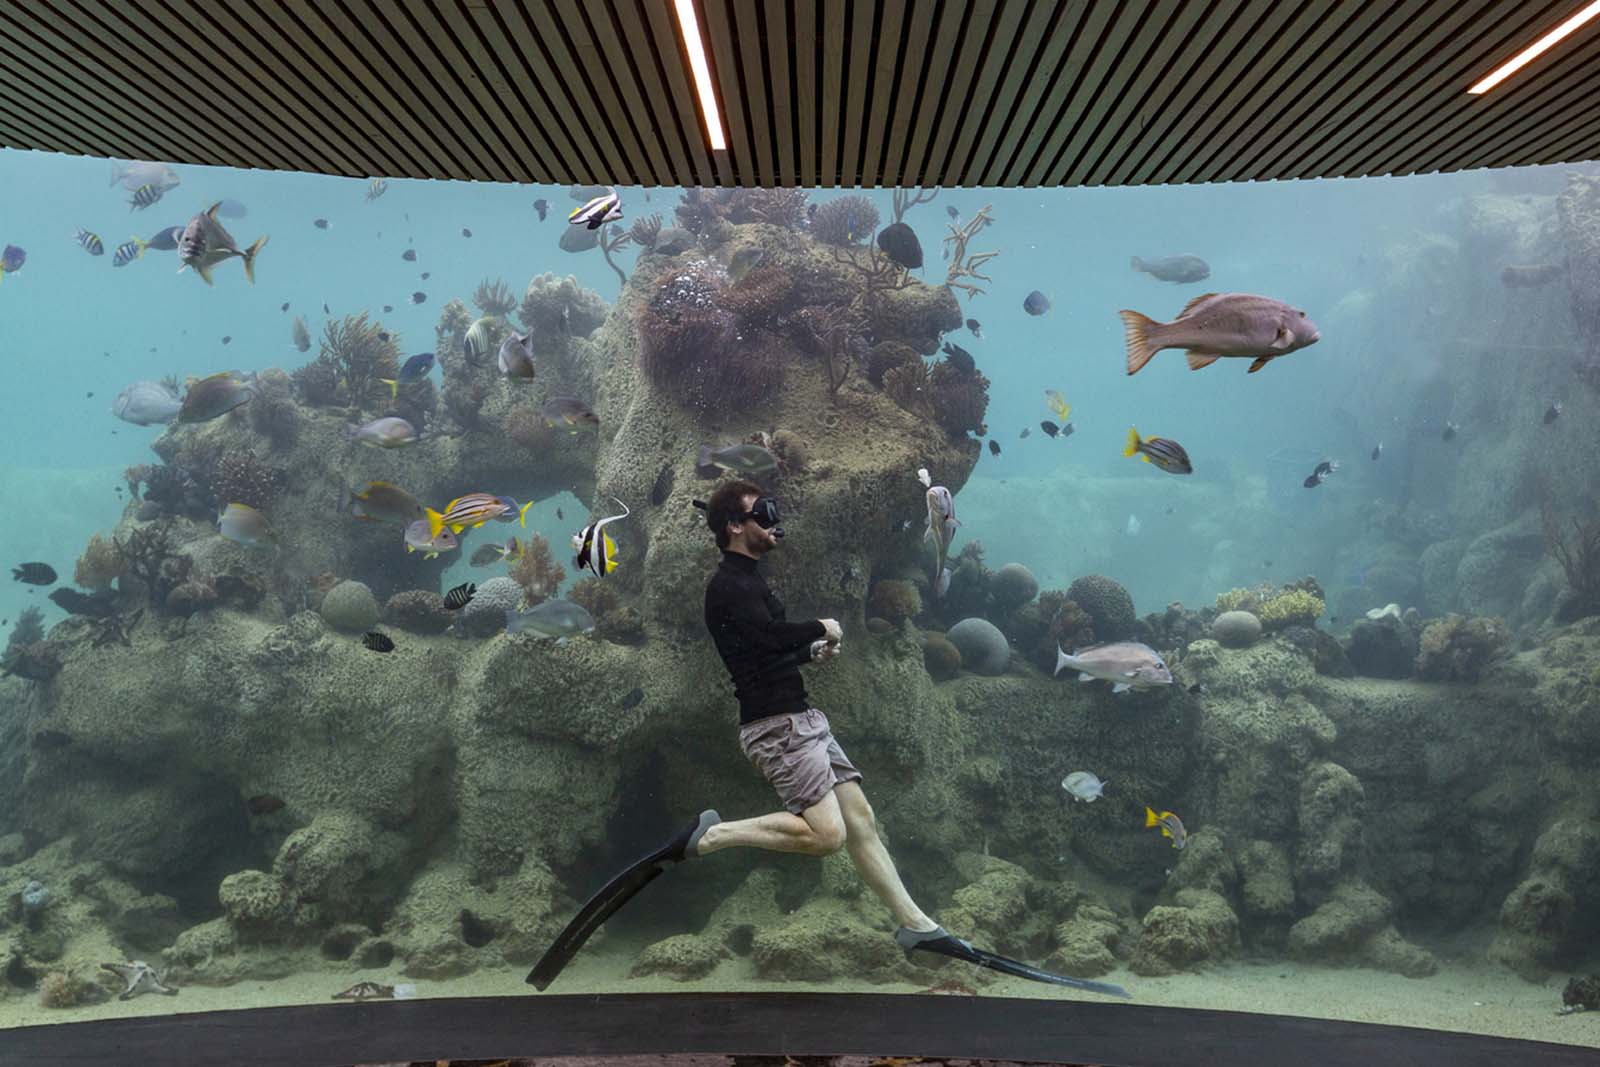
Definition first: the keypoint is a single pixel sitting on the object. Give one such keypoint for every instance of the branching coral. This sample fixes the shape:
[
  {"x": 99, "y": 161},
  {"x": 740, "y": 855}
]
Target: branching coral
[
  {"x": 537, "y": 571},
  {"x": 906, "y": 199},
  {"x": 1579, "y": 556},
  {"x": 775, "y": 207},
  {"x": 613, "y": 240},
  {"x": 494, "y": 297},
  {"x": 100, "y": 564},
  {"x": 908, "y": 386},
  {"x": 701, "y": 213},
  {"x": 239, "y": 476},
  {"x": 149, "y": 555},
  {"x": 1456, "y": 648},
  {"x": 833, "y": 332},
  {"x": 451, "y": 332},
  {"x": 645, "y": 231},
  {"x": 172, "y": 489},
  {"x": 962, "y": 265},
  {"x": 359, "y": 353},
  {"x": 846, "y": 221}
]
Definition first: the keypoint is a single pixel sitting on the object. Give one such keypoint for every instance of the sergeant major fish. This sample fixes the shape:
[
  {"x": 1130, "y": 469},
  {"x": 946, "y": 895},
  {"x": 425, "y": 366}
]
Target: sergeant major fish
[{"x": 602, "y": 209}]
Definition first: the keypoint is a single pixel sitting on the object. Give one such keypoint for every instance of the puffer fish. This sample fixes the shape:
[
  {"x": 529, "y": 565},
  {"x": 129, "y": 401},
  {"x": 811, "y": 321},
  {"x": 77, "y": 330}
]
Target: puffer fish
[
  {"x": 488, "y": 555},
  {"x": 385, "y": 502},
  {"x": 412, "y": 371},
  {"x": 1059, "y": 405},
  {"x": 602, "y": 209},
  {"x": 475, "y": 345},
  {"x": 747, "y": 460},
  {"x": 1214, "y": 325},
  {"x": 145, "y": 403},
  {"x": 244, "y": 525},
  {"x": 1171, "y": 826},
  {"x": 206, "y": 242},
  {"x": 11, "y": 260},
  {"x": 419, "y": 539},
  {"x": 1084, "y": 786},
  {"x": 568, "y": 409},
  {"x": 376, "y": 188},
  {"x": 596, "y": 552},
  {"x": 1125, "y": 664},
  {"x": 214, "y": 396},
  {"x": 91, "y": 242},
  {"x": 391, "y": 431},
  {"x": 1164, "y": 453},
  {"x": 474, "y": 509},
  {"x": 134, "y": 174},
  {"x": 552, "y": 618},
  {"x": 460, "y": 596},
  {"x": 145, "y": 196},
  {"x": 516, "y": 356},
  {"x": 942, "y": 523},
  {"x": 128, "y": 251}
]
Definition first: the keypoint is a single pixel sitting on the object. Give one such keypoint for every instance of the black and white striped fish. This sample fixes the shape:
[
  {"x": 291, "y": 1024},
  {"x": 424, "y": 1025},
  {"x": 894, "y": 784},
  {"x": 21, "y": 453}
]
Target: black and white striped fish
[
  {"x": 91, "y": 242},
  {"x": 597, "y": 553},
  {"x": 460, "y": 596},
  {"x": 376, "y": 188},
  {"x": 377, "y": 642},
  {"x": 145, "y": 196},
  {"x": 128, "y": 251},
  {"x": 1167, "y": 454},
  {"x": 607, "y": 208}
]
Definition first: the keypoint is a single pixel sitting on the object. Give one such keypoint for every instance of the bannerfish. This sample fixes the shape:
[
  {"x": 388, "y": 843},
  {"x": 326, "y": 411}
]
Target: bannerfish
[
  {"x": 11, "y": 260},
  {"x": 205, "y": 242},
  {"x": 596, "y": 552},
  {"x": 1214, "y": 325},
  {"x": 1182, "y": 269},
  {"x": 145, "y": 196},
  {"x": 128, "y": 251},
  {"x": 568, "y": 409},
  {"x": 601, "y": 209},
  {"x": 418, "y": 539},
  {"x": 1084, "y": 786},
  {"x": 90, "y": 242},
  {"x": 215, "y": 396},
  {"x": 1125, "y": 664},
  {"x": 34, "y": 574},
  {"x": 552, "y": 618},
  {"x": 376, "y": 188},
  {"x": 516, "y": 356},
  {"x": 746, "y": 460},
  {"x": 391, "y": 431},
  {"x": 460, "y": 596},
  {"x": 1320, "y": 473},
  {"x": 1036, "y": 303},
  {"x": 942, "y": 523},
  {"x": 1167, "y": 454},
  {"x": 1171, "y": 826},
  {"x": 385, "y": 502},
  {"x": 244, "y": 525},
  {"x": 412, "y": 371},
  {"x": 146, "y": 403},
  {"x": 475, "y": 509},
  {"x": 377, "y": 642}
]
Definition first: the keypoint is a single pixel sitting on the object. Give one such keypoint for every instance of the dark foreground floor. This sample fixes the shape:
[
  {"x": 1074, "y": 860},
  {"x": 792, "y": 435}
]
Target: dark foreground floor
[{"x": 754, "y": 1030}]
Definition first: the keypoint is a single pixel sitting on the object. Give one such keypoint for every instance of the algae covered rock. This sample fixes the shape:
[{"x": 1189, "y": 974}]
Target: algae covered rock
[
  {"x": 350, "y": 606},
  {"x": 1381, "y": 648},
  {"x": 421, "y": 611},
  {"x": 1085, "y": 945},
  {"x": 941, "y": 657},
  {"x": 1456, "y": 648},
  {"x": 1198, "y": 928},
  {"x": 1012, "y": 586},
  {"x": 983, "y": 647},
  {"x": 683, "y": 957},
  {"x": 1353, "y": 926},
  {"x": 1236, "y": 629},
  {"x": 1108, "y": 605}
]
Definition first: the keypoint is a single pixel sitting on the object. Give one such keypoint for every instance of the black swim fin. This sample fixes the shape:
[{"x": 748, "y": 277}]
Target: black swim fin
[
  {"x": 622, "y": 888},
  {"x": 945, "y": 944}
]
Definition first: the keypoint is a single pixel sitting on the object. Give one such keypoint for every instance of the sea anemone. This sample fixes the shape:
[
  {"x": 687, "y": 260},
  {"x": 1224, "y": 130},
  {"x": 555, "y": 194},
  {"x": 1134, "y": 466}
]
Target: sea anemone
[
  {"x": 845, "y": 221},
  {"x": 494, "y": 298},
  {"x": 689, "y": 345},
  {"x": 761, "y": 299},
  {"x": 100, "y": 564}
]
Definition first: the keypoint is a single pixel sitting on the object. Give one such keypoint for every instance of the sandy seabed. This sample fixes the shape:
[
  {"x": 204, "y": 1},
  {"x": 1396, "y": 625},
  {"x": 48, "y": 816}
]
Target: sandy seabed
[{"x": 1458, "y": 997}]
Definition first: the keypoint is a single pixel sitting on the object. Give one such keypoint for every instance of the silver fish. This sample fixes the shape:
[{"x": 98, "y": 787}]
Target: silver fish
[
  {"x": 245, "y": 525},
  {"x": 417, "y": 539},
  {"x": 749, "y": 461},
  {"x": 205, "y": 242},
  {"x": 1083, "y": 785},
  {"x": 553, "y": 618},
  {"x": 1181, "y": 269},
  {"x": 1125, "y": 664},
  {"x": 390, "y": 431},
  {"x": 516, "y": 356},
  {"x": 134, "y": 174},
  {"x": 145, "y": 403},
  {"x": 942, "y": 523},
  {"x": 1214, "y": 325}
]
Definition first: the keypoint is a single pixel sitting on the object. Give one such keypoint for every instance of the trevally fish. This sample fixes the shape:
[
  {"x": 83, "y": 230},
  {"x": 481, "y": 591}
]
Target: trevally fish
[{"x": 205, "y": 242}]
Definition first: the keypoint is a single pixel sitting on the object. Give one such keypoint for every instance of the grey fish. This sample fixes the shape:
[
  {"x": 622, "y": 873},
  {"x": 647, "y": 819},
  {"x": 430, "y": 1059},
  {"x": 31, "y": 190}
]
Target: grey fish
[
  {"x": 747, "y": 460},
  {"x": 488, "y": 555},
  {"x": 145, "y": 403},
  {"x": 166, "y": 240},
  {"x": 1167, "y": 454},
  {"x": 244, "y": 525},
  {"x": 390, "y": 431},
  {"x": 1125, "y": 664},
  {"x": 1036, "y": 303},
  {"x": 134, "y": 174},
  {"x": 385, "y": 502},
  {"x": 213, "y": 397},
  {"x": 553, "y": 618},
  {"x": 1181, "y": 269},
  {"x": 205, "y": 242},
  {"x": 1083, "y": 785},
  {"x": 516, "y": 356},
  {"x": 417, "y": 539},
  {"x": 942, "y": 523},
  {"x": 568, "y": 409},
  {"x": 578, "y": 239},
  {"x": 1214, "y": 325}
]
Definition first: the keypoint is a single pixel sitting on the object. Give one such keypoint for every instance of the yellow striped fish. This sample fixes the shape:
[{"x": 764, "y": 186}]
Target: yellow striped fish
[{"x": 475, "y": 509}]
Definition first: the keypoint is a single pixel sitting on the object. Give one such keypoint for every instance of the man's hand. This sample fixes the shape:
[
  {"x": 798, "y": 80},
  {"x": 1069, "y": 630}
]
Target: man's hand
[
  {"x": 822, "y": 651},
  {"x": 833, "y": 633}
]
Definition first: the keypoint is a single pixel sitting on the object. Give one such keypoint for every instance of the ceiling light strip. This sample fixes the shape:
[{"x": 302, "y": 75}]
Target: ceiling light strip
[
  {"x": 1532, "y": 52},
  {"x": 689, "y": 28}
]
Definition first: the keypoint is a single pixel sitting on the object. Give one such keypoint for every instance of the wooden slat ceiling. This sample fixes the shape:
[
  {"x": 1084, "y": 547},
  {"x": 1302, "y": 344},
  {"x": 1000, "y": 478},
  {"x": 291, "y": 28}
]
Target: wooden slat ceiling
[{"x": 813, "y": 92}]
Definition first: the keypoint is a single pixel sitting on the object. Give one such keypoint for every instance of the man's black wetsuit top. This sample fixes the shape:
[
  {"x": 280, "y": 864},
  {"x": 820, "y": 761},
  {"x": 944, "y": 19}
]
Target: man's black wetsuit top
[{"x": 762, "y": 650}]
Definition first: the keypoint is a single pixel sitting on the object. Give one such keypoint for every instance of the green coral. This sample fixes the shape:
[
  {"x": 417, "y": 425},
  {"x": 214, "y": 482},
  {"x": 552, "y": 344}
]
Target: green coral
[{"x": 1277, "y": 609}]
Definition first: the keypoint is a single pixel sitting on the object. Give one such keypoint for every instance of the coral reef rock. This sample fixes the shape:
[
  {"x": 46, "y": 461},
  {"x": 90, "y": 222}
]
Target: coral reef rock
[
  {"x": 1236, "y": 629},
  {"x": 983, "y": 647}
]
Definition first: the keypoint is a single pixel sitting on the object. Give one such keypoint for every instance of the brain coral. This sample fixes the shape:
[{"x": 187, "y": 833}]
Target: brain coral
[{"x": 1107, "y": 603}]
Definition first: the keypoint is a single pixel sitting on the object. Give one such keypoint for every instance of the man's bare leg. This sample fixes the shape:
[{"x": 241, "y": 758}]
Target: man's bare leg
[
  {"x": 819, "y": 832},
  {"x": 872, "y": 859}
]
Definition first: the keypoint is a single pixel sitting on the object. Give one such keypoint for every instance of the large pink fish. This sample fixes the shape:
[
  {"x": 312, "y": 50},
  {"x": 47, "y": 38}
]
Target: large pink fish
[{"x": 1221, "y": 324}]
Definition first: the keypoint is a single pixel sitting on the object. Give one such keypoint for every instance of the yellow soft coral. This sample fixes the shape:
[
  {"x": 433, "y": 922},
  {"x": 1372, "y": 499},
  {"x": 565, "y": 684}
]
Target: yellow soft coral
[
  {"x": 1293, "y": 607},
  {"x": 1239, "y": 600}
]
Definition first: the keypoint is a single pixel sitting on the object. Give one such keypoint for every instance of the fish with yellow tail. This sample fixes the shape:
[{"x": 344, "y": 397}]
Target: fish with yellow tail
[
  {"x": 475, "y": 509},
  {"x": 1169, "y": 455},
  {"x": 596, "y": 552},
  {"x": 1221, "y": 324},
  {"x": 1171, "y": 826}
]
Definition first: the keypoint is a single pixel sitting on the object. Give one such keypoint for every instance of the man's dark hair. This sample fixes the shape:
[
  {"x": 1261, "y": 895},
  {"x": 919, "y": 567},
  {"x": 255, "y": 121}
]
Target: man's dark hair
[{"x": 727, "y": 505}]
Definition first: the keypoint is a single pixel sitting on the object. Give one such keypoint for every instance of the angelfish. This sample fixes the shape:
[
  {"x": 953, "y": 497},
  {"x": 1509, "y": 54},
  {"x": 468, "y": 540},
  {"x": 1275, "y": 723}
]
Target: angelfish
[
  {"x": 942, "y": 523},
  {"x": 597, "y": 553}
]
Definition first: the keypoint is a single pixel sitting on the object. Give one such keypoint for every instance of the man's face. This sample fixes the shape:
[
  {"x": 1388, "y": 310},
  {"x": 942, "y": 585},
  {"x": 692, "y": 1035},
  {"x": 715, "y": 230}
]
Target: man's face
[{"x": 749, "y": 534}]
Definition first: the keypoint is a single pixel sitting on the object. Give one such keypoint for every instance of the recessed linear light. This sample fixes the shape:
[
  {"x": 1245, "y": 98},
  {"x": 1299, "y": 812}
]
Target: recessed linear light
[
  {"x": 1527, "y": 55},
  {"x": 689, "y": 26}
]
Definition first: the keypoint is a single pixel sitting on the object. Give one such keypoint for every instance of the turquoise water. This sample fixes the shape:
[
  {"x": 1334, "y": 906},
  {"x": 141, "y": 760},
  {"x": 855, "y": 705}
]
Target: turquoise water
[{"x": 285, "y": 802}]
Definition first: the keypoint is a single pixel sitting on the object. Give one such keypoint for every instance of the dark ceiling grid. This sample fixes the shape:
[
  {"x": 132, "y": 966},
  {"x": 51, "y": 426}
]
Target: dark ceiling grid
[
  {"x": 945, "y": 64},
  {"x": 1048, "y": 99},
  {"x": 1548, "y": 115},
  {"x": 1003, "y": 32},
  {"x": 755, "y": 90},
  {"x": 806, "y": 66},
  {"x": 1001, "y": 114},
  {"x": 633, "y": 28},
  {"x": 858, "y": 105},
  {"x": 889, "y": 52},
  {"x": 916, "y": 57},
  {"x": 605, "y": 96},
  {"x": 477, "y": 58},
  {"x": 1074, "y": 93},
  {"x": 1125, "y": 50},
  {"x": 972, "y": 53},
  {"x": 831, "y": 91},
  {"x": 673, "y": 69},
  {"x": 717, "y": 36},
  {"x": 48, "y": 107},
  {"x": 779, "y": 42}
]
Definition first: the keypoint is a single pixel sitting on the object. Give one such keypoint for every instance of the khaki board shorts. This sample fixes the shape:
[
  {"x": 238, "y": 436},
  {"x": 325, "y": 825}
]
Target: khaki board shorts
[{"x": 799, "y": 756}]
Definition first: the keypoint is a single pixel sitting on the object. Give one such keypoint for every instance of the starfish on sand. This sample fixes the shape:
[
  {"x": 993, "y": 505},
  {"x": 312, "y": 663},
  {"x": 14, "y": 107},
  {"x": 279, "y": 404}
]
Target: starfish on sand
[{"x": 138, "y": 977}]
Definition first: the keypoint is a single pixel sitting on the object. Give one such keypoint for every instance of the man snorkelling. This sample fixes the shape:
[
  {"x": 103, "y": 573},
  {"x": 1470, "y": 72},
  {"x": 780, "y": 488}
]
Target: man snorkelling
[{"x": 790, "y": 742}]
